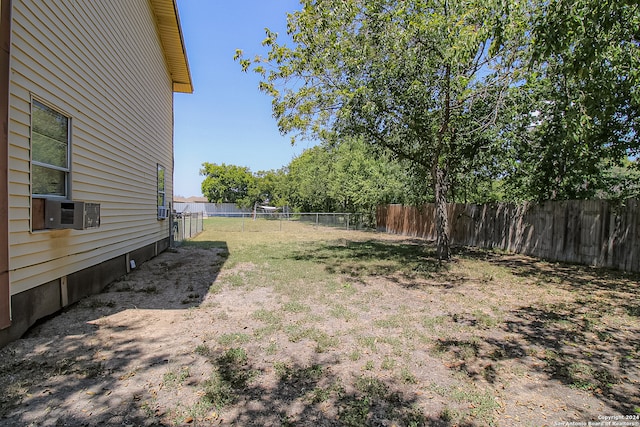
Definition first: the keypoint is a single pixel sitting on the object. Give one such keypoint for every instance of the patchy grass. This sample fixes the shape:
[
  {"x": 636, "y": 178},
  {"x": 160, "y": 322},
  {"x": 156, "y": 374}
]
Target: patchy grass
[
  {"x": 175, "y": 377},
  {"x": 482, "y": 316},
  {"x": 298, "y": 325}
]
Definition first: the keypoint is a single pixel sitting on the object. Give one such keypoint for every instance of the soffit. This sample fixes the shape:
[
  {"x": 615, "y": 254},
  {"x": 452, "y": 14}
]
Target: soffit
[{"x": 168, "y": 22}]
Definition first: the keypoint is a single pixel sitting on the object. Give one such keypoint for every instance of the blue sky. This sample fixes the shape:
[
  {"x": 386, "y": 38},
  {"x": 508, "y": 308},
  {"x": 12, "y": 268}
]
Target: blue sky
[{"x": 226, "y": 119}]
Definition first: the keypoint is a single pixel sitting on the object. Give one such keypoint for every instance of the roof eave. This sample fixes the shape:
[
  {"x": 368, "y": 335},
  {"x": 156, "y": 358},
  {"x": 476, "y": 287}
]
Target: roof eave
[{"x": 168, "y": 23}]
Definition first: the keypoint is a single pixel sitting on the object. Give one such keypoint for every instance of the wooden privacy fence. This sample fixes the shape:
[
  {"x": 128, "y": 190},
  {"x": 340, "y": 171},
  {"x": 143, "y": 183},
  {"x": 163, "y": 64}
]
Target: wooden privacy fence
[{"x": 592, "y": 232}]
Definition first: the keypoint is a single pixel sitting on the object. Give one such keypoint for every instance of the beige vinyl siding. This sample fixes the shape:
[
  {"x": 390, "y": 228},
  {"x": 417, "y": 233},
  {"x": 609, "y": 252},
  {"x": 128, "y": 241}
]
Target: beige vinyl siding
[
  {"x": 19, "y": 156},
  {"x": 101, "y": 63}
]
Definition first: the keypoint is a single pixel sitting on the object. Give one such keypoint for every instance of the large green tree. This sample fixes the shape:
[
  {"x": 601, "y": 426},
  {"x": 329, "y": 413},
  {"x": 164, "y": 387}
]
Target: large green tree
[
  {"x": 360, "y": 179},
  {"x": 346, "y": 177},
  {"x": 423, "y": 79},
  {"x": 269, "y": 187},
  {"x": 308, "y": 180},
  {"x": 579, "y": 110},
  {"x": 226, "y": 183}
]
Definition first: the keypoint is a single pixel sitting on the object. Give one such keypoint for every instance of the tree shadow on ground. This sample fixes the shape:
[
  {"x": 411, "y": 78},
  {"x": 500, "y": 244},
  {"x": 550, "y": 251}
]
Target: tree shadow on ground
[
  {"x": 74, "y": 362},
  {"x": 578, "y": 351},
  {"x": 53, "y": 380},
  {"x": 588, "y": 340},
  {"x": 565, "y": 275},
  {"x": 393, "y": 260},
  {"x": 309, "y": 395}
]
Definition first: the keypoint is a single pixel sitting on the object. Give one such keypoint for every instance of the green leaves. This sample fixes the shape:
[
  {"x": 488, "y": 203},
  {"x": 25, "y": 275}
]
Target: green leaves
[
  {"x": 226, "y": 183},
  {"x": 349, "y": 177},
  {"x": 539, "y": 98},
  {"x": 585, "y": 55}
]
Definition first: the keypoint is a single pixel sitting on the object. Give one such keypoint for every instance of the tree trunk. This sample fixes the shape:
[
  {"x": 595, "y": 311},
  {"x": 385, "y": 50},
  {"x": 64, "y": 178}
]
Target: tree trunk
[
  {"x": 442, "y": 221},
  {"x": 439, "y": 173}
]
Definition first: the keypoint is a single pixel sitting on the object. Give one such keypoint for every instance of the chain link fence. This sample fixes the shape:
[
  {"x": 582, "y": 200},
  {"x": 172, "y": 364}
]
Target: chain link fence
[
  {"x": 185, "y": 226},
  {"x": 278, "y": 221}
]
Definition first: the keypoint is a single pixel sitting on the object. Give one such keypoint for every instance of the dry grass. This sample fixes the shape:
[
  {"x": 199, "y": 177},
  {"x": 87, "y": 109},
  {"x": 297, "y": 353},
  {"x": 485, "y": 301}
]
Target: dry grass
[{"x": 299, "y": 325}]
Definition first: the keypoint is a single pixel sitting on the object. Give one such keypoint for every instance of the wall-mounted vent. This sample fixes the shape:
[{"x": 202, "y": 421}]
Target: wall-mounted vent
[{"x": 70, "y": 214}]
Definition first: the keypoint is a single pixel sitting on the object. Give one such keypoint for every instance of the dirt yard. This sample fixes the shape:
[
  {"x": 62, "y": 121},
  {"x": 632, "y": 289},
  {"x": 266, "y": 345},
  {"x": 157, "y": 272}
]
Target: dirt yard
[{"x": 330, "y": 329}]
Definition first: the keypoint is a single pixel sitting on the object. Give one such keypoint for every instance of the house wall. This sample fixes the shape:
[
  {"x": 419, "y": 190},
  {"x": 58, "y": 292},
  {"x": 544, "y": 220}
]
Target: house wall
[
  {"x": 102, "y": 64},
  {"x": 5, "y": 26}
]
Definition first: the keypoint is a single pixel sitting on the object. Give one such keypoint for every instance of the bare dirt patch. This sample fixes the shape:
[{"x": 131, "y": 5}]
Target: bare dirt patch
[{"x": 333, "y": 328}]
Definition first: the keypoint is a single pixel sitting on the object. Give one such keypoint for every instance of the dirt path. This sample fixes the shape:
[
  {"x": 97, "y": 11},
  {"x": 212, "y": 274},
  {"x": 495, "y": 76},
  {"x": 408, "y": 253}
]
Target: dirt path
[{"x": 102, "y": 361}]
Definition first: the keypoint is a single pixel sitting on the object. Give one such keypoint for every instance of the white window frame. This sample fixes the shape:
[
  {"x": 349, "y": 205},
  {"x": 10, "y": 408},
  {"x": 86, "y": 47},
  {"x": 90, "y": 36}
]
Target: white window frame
[
  {"x": 66, "y": 170},
  {"x": 162, "y": 192}
]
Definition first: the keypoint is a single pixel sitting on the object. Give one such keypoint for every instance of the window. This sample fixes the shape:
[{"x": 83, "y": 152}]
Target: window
[
  {"x": 49, "y": 151},
  {"x": 162, "y": 206}
]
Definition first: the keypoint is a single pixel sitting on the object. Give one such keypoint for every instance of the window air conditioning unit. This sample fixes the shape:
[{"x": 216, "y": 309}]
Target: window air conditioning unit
[
  {"x": 163, "y": 212},
  {"x": 70, "y": 214}
]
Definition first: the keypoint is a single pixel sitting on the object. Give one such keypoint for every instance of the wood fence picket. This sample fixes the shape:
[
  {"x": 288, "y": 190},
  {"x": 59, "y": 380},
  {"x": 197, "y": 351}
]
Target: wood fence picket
[{"x": 591, "y": 232}]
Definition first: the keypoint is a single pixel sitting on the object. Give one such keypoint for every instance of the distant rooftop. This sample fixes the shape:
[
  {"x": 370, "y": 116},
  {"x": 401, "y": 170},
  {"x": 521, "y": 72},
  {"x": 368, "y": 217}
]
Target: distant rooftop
[{"x": 192, "y": 199}]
